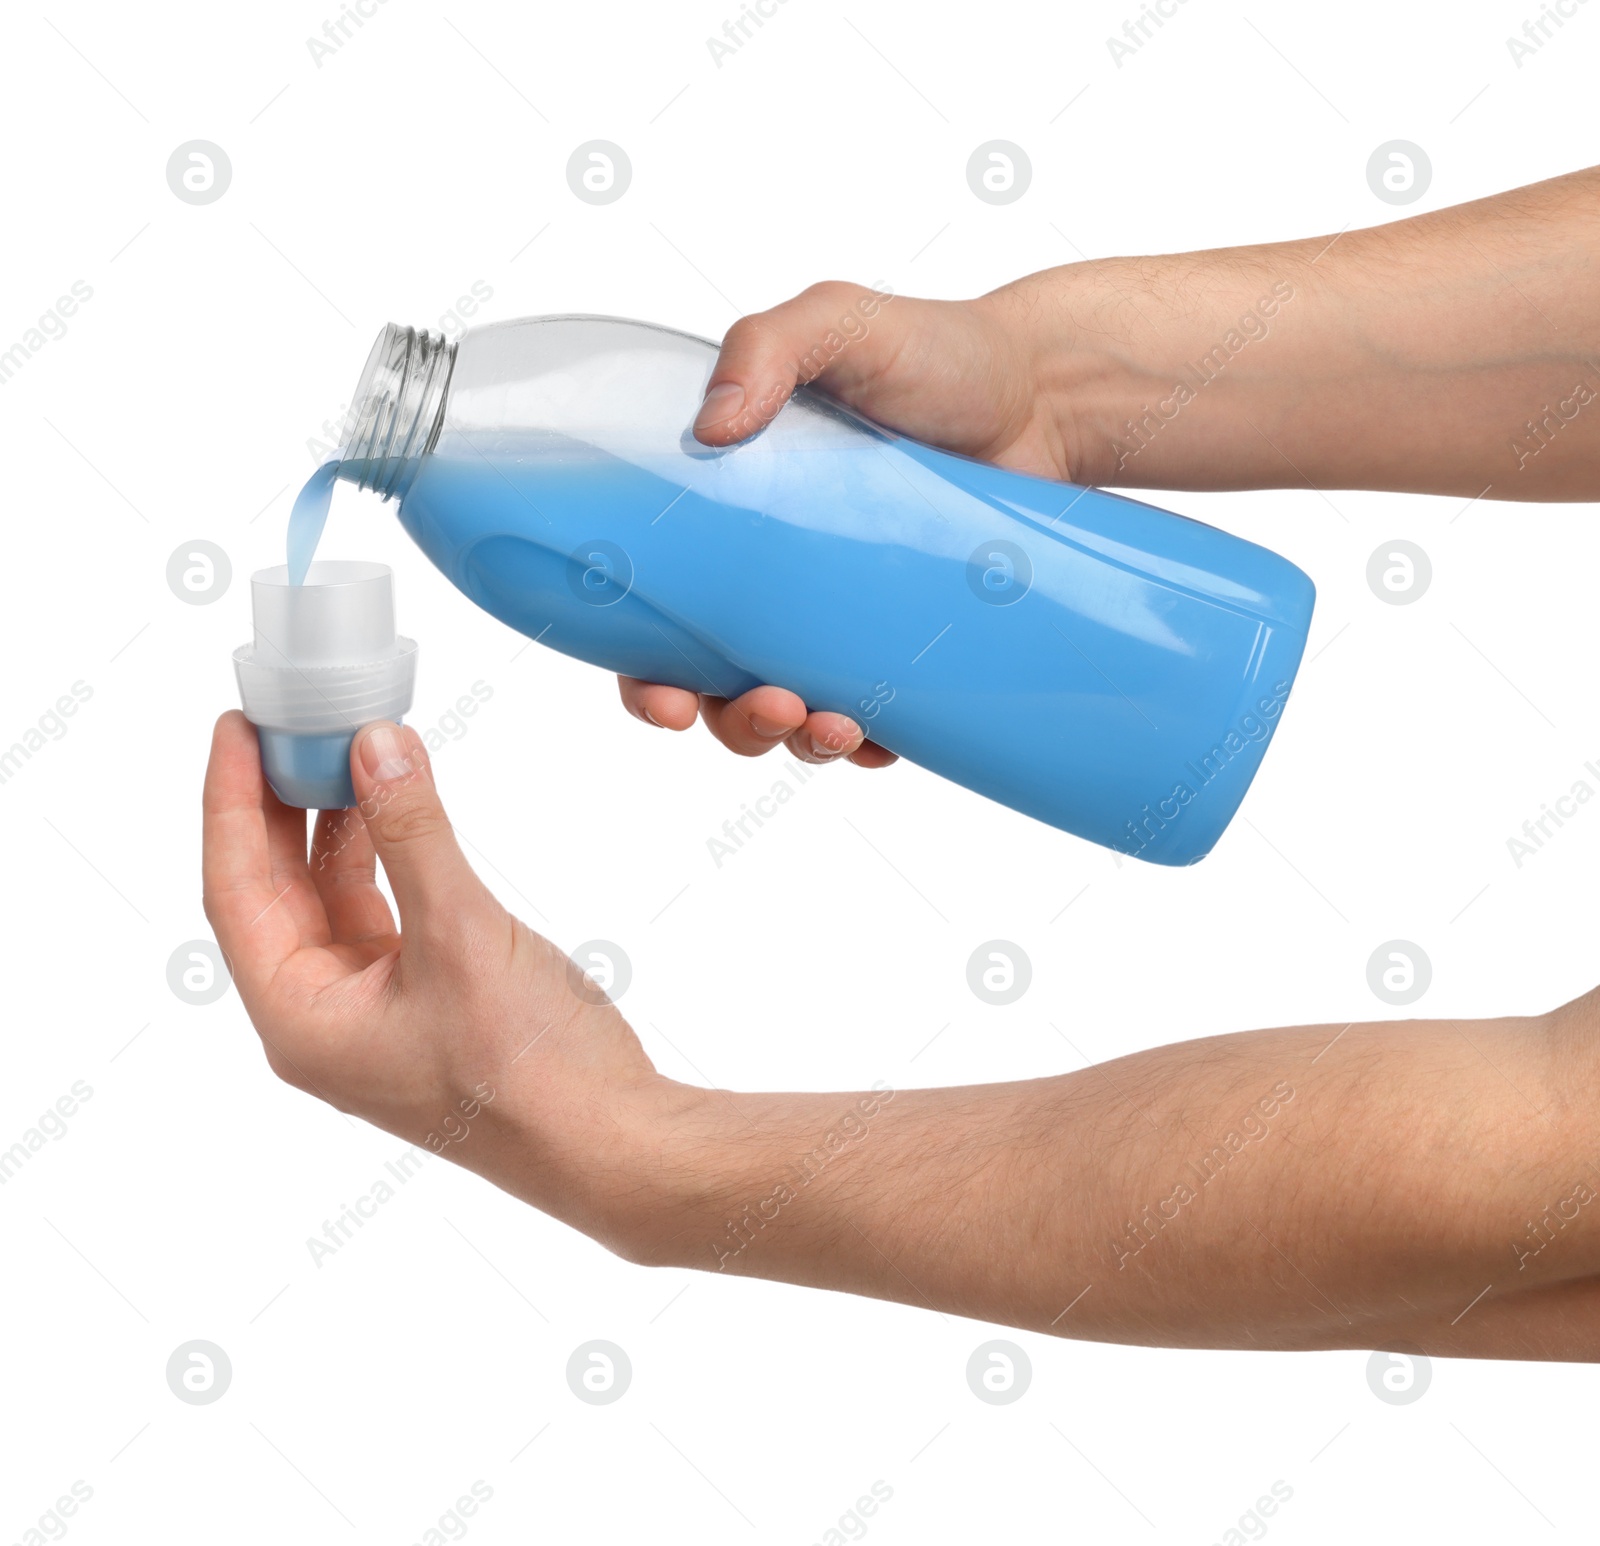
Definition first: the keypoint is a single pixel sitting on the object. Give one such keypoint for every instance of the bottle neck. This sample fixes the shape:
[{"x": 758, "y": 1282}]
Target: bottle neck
[{"x": 397, "y": 410}]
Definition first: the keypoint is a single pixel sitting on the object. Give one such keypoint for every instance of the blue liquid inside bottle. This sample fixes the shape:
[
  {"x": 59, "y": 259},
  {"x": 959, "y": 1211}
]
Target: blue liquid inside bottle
[{"x": 1107, "y": 667}]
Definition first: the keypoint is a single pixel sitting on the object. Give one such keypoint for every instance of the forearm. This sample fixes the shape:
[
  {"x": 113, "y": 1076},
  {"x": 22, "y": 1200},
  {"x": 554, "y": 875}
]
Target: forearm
[
  {"x": 1317, "y": 1187},
  {"x": 1455, "y": 352}
]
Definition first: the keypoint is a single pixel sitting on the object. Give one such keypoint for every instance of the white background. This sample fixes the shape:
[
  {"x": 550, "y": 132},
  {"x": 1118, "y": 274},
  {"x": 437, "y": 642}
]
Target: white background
[{"x": 428, "y": 153}]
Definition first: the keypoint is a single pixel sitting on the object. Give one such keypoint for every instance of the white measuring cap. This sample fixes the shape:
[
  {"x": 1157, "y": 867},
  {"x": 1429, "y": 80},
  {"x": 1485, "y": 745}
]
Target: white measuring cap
[{"x": 325, "y": 660}]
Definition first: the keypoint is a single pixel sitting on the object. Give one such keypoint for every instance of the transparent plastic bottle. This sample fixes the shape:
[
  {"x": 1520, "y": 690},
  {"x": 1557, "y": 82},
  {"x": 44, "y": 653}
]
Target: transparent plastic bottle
[{"x": 1107, "y": 667}]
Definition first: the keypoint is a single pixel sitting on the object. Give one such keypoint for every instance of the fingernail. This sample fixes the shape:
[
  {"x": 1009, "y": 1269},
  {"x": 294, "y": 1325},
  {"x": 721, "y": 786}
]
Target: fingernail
[
  {"x": 823, "y": 752},
  {"x": 650, "y": 719},
  {"x": 384, "y": 754},
  {"x": 769, "y": 729},
  {"x": 721, "y": 402}
]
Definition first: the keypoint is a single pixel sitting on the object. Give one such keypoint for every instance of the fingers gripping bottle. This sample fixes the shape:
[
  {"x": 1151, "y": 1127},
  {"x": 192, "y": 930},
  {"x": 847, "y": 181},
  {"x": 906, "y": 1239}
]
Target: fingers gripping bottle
[{"x": 1109, "y": 668}]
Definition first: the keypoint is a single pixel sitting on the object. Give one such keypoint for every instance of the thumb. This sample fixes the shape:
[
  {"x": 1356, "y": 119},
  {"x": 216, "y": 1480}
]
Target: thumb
[
  {"x": 766, "y": 355},
  {"x": 393, "y": 778}
]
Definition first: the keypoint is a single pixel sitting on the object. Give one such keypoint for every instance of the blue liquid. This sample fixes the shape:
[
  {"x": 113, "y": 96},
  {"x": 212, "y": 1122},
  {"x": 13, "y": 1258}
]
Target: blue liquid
[
  {"x": 309, "y": 771},
  {"x": 1109, "y": 668},
  {"x": 306, "y": 520}
]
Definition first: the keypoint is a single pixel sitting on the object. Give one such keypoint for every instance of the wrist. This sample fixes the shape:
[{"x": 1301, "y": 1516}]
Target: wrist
[
  {"x": 714, "y": 1180},
  {"x": 591, "y": 1156},
  {"x": 1166, "y": 371},
  {"x": 687, "y": 1160},
  {"x": 677, "y": 1152}
]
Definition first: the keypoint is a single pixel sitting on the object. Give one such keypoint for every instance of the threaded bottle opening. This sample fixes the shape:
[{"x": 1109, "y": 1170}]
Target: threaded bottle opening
[{"x": 397, "y": 410}]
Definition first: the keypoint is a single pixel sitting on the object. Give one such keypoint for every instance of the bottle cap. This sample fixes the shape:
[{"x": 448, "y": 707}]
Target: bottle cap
[{"x": 325, "y": 660}]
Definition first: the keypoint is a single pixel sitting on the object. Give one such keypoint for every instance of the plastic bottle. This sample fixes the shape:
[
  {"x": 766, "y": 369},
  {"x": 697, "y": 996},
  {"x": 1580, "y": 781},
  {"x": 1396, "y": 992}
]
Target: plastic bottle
[{"x": 1109, "y": 668}]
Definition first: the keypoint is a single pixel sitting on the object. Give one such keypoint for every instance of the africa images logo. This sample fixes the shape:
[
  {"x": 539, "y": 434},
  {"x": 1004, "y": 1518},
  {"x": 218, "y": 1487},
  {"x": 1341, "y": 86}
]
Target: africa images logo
[{"x": 1253, "y": 729}]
